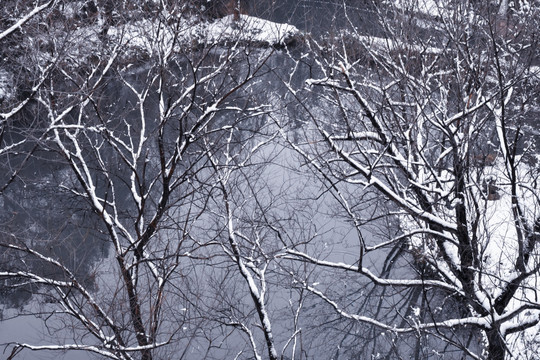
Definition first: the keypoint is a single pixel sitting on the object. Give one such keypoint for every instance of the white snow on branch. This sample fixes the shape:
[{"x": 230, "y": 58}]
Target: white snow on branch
[
  {"x": 482, "y": 322},
  {"x": 26, "y": 18},
  {"x": 377, "y": 280}
]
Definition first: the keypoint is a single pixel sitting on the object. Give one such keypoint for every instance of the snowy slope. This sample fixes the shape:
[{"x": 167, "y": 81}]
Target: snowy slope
[
  {"x": 5, "y": 85},
  {"x": 153, "y": 36}
]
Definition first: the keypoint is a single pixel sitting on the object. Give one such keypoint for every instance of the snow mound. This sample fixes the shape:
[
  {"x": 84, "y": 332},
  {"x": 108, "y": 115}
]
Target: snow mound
[
  {"x": 6, "y": 88},
  {"x": 431, "y": 8},
  {"x": 246, "y": 29},
  {"x": 152, "y": 37}
]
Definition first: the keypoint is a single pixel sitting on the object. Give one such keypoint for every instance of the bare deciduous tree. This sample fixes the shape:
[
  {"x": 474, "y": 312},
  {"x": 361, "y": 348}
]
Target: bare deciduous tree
[
  {"x": 137, "y": 113},
  {"x": 435, "y": 126},
  {"x": 387, "y": 207}
]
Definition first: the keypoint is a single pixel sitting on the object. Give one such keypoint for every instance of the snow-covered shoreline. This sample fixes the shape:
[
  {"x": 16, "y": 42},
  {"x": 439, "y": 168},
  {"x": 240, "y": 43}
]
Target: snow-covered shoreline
[{"x": 6, "y": 90}]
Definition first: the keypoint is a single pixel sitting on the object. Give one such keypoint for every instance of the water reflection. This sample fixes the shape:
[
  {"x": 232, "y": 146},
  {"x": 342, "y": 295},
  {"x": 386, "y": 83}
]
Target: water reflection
[{"x": 37, "y": 213}]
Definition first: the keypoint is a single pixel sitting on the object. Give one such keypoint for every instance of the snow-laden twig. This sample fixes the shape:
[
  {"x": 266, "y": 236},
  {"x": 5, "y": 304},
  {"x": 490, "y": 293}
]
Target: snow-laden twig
[
  {"x": 480, "y": 322},
  {"x": 23, "y": 20}
]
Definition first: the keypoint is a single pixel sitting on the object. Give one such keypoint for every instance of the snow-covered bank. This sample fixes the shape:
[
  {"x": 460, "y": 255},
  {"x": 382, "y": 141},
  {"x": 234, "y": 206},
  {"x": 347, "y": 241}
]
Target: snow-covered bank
[
  {"x": 247, "y": 29},
  {"x": 155, "y": 37},
  {"x": 151, "y": 36},
  {"x": 6, "y": 90}
]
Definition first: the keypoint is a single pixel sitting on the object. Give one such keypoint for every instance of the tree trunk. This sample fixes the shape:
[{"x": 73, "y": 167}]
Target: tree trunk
[{"x": 496, "y": 345}]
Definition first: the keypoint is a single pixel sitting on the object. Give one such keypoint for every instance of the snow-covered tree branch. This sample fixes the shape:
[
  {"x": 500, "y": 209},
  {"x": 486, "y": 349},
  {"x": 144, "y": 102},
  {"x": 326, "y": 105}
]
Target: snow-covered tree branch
[{"x": 433, "y": 128}]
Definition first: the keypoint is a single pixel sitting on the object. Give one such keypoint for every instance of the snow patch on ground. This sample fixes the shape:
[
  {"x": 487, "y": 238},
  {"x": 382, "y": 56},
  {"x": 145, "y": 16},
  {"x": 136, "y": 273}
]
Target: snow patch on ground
[
  {"x": 376, "y": 44},
  {"x": 502, "y": 253},
  {"x": 498, "y": 245},
  {"x": 6, "y": 86},
  {"x": 153, "y": 37},
  {"x": 245, "y": 28},
  {"x": 431, "y": 8}
]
